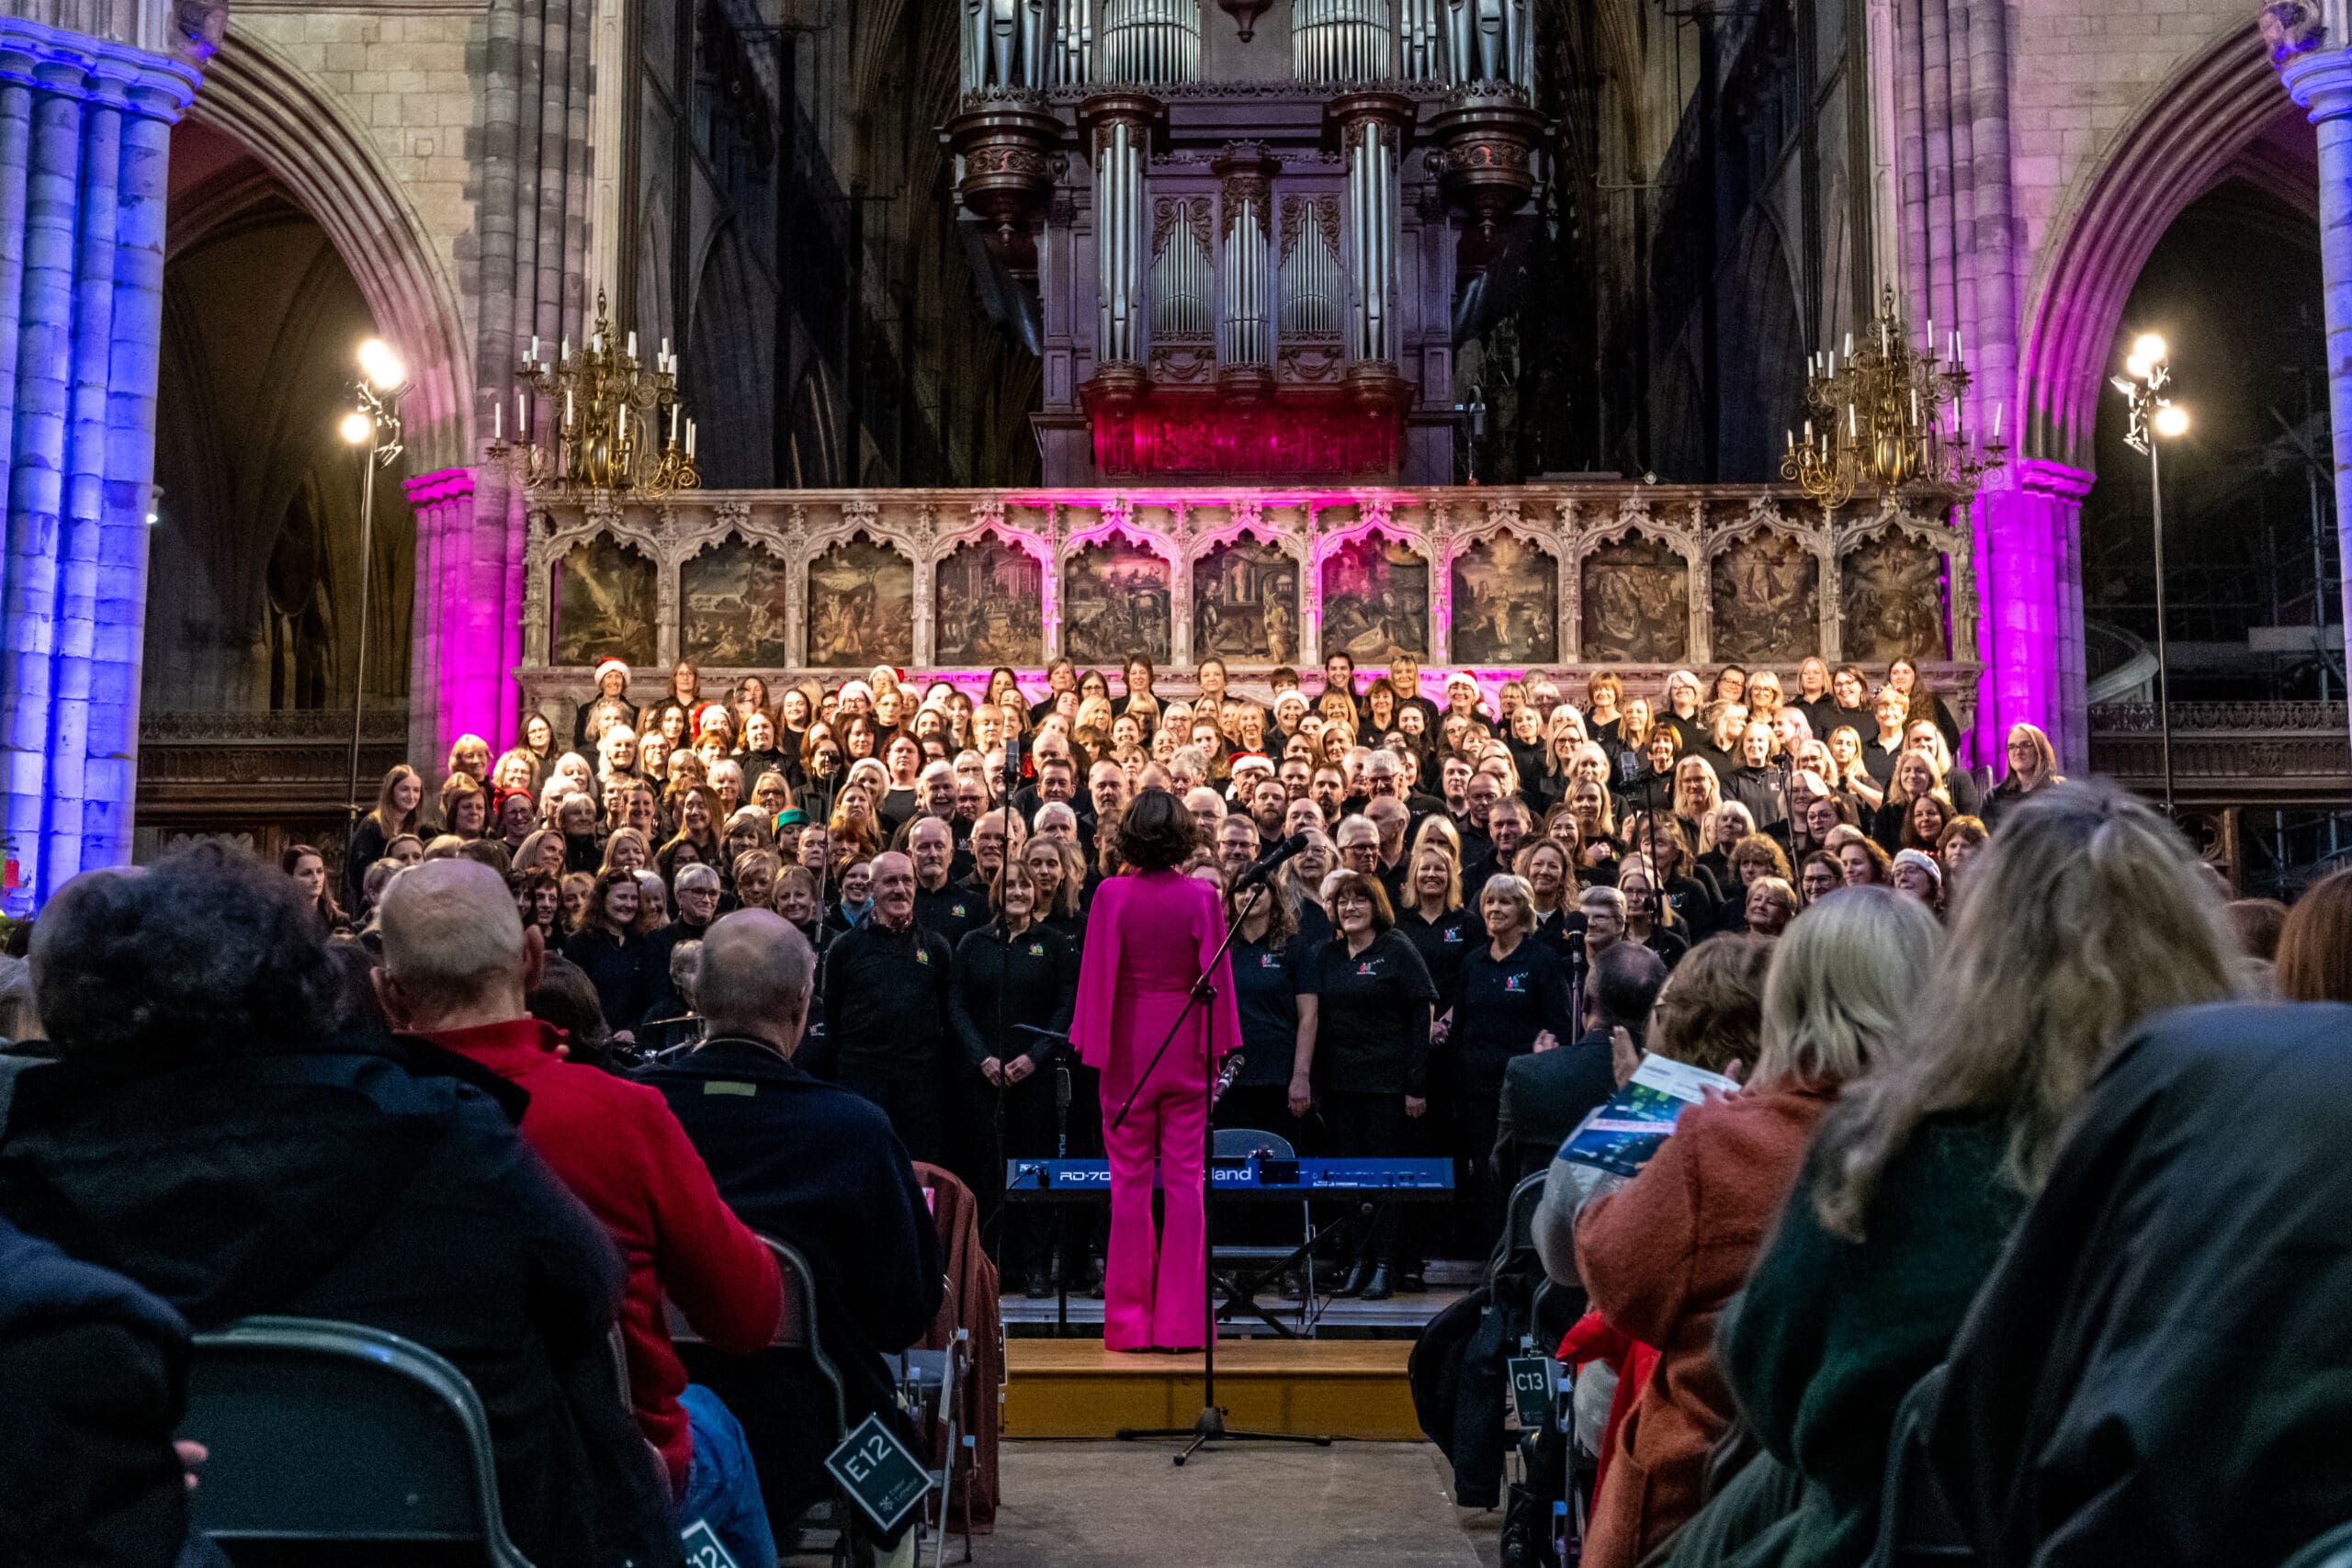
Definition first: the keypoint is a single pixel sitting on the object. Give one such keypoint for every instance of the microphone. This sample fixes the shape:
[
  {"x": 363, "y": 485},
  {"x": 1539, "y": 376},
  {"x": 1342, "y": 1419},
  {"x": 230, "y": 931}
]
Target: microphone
[
  {"x": 1231, "y": 1070},
  {"x": 1274, "y": 856}
]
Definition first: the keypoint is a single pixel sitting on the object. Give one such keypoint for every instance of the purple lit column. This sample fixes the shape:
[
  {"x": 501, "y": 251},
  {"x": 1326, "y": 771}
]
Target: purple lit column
[
  {"x": 2321, "y": 82},
  {"x": 460, "y": 681},
  {"x": 2030, "y": 624},
  {"x": 84, "y": 129}
]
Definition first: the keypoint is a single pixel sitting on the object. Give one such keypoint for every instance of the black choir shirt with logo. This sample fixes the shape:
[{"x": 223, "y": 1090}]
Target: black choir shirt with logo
[
  {"x": 954, "y": 911},
  {"x": 1442, "y": 943},
  {"x": 1266, "y": 988},
  {"x": 1373, "y": 1034},
  {"x": 1501, "y": 1004}
]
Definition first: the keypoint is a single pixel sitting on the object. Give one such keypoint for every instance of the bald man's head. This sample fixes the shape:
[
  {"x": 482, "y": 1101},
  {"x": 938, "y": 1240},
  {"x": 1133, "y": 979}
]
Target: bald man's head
[
  {"x": 456, "y": 953},
  {"x": 753, "y": 978}
]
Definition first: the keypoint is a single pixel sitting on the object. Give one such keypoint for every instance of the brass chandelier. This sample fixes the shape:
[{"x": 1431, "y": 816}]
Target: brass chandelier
[
  {"x": 618, "y": 427},
  {"x": 1888, "y": 416}
]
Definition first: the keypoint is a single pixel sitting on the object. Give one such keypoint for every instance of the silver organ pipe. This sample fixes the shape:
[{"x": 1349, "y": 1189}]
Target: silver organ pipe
[
  {"x": 1340, "y": 40},
  {"x": 1151, "y": 42},
  {"x": 1073, "y": 31},
  {"x": 1005, "y": 44},
  {"x": 1310, "y": 273},
  {"x": 1371, "y": 235},
  {"x": 1420, "y": 41},
  {"x": 1119, "y": 237},
  {"x": 1241, "y": 338},
  {"x": 1490, "y": 40},
  {"x": 1181, "y": 277}
]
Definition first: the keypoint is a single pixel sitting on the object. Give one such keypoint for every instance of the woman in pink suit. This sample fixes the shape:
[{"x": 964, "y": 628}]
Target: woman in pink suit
[{"x": 1148, "y": 937}]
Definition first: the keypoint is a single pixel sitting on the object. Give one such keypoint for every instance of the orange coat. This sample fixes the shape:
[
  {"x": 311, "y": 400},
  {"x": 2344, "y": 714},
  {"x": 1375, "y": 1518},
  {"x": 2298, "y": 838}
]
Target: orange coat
[{"x": 1660, "y": 1257}]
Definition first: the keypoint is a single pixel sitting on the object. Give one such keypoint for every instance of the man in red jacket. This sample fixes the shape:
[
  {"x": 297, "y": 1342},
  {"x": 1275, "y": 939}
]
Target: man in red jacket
[{"x": 457, "y": 964}]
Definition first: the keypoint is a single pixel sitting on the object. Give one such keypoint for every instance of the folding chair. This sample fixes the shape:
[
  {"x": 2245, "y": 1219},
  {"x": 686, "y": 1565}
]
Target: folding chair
[
  {"x": 1270, "y": 1263},
  {"x": 334, "y": 1432},
  {"x": 798, "y": 1335},
  {"x": 931, "y": 1389}
]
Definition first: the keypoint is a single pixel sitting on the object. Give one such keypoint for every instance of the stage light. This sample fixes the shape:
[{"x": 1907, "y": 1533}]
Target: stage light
[
  {"x": 357, "y": 429},
  {"x": 382, "y": 364},
  {"x": 2138, "y": 368},
  {"x": 2149, "y": 348},
  {"x": 2172, "y": 420}
]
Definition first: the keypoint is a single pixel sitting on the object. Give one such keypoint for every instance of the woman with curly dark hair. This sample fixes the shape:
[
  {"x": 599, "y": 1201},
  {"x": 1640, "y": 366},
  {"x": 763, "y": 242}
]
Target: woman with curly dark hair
[{"x": 1151, "y": 934}]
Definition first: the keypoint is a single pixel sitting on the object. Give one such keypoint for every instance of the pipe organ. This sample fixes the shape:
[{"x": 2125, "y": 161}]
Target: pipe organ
[{"x": 1236, "y": 227}]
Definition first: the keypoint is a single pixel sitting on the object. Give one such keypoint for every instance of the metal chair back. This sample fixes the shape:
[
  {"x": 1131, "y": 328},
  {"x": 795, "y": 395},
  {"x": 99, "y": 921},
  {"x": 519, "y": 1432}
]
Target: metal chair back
[{"x": 336, "y": 1432}]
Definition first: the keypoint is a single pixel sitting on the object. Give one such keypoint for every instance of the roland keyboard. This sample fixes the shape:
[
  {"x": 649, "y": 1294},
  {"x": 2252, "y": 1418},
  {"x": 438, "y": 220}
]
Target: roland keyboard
[{"x": 1259, "y": 1177}]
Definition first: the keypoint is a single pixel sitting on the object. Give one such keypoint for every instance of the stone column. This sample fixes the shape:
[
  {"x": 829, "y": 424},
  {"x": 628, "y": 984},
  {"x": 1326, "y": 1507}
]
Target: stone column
[
  {"x": 84, "y": 140},
  {"x": 454, "y": 674},
  {"x": 2320, "y": 81}
]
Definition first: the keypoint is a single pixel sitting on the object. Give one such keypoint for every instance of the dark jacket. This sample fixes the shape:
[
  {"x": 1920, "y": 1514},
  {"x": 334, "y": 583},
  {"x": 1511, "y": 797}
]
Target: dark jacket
[
  {"x": 2154, "y": 1375},
  {"x": 886, "y": 998},
  {"x": 819, "y": 1167},
  {"x": 338, "y": 1183},
  {"x": 95, "y": 1368},
  {"x": 1829, "y": 1334},
  {"x": 1543, "y": 1097},
  {"x": 1034, "y": 974},
  {"x": 624, "y": 972}
]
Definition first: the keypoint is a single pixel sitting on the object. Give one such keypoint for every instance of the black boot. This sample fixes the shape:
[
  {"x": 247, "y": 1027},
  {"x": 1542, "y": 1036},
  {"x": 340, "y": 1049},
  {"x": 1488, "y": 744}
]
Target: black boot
[
  {"x": 1380, "y": 1287},
  {"x": 1358, "y": 1278}
]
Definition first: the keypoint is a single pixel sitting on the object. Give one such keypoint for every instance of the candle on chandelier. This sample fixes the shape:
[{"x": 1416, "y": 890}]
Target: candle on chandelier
[
  {"x": 563, "y": 351},
  {"x": 632, "y": 345},
  {"x": 1914, "y": 405},
  {"x": 1996, "y": 422},
  {"x": 690, "y": 440},
  {"x": 567, "y": 408},
  {"x": 1849, "y": 346},
  {"x": 1853, "y": 422},
  {"x": 1931, "y": 337},
  {"x": 673, "y": 425},
  {"x": 1808, "y": 432},
  {"x": 498, "y": 422},
  {"x": 1792, "y": 440},
  {"x": 522, "y": 415}
]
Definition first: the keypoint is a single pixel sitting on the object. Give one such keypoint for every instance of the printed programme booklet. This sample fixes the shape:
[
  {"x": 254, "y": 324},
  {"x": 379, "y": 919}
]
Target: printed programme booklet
[{"x": 1621, "y": 1135}]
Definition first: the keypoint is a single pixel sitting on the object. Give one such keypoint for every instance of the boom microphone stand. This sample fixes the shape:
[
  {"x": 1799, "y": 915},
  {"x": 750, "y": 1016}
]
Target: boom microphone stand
[{"x": 1209, "y": 1425}]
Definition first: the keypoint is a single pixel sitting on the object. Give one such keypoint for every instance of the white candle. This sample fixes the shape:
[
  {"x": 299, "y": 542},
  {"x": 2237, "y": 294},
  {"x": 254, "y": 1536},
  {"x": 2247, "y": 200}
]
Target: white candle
[
  {"x": 673, "y": 425},
  {"x": 689, "y": 438},
  {"x": 563, "y": 351},
  {"x": 567, "y": 408},
  {"x": 1793, "y": 439},
  {"x": 1853, "y": 420},
  {"x": 1849, "y": 346},
  {"x": 632, "y": 345},
  {"x": 1931, "y": 337},
  {"x": 1808, "y": 432},
  {"x": 521, "y": 416},
  {"x": 1996, "y": 422},
  {"x": 665, "y": 348},
  {"x": 1914, "y": 405},
  {"x": 535, "y": 348},
  {"x": 498, "y": 422}
]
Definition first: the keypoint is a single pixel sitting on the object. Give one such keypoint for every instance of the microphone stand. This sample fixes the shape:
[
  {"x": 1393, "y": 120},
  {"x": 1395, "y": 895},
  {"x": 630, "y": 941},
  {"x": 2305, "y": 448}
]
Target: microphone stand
[{"x": 1209, "y": 1425}]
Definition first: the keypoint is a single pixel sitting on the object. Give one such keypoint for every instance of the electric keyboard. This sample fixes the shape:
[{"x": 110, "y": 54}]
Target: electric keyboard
[{"x": 1259, "y": 1177}]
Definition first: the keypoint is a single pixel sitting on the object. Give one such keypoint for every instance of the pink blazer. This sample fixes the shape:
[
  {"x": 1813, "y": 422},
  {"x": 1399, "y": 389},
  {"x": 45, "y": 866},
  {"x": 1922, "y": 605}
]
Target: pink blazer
[{"x": 1148, "y": 937}]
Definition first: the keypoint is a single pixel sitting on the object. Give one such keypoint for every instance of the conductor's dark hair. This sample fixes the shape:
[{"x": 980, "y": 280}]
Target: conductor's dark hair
[
  {"x": 205, "y": 956},
  {"x": 1156, "y": 831}
]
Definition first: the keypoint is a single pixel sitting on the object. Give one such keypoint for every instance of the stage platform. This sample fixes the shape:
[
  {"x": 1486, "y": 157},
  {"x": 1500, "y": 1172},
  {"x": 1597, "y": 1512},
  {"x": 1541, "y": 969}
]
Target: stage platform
[
  {"x": 1403, "y": 1313},
  {"x": 1337, "y": 1388}
]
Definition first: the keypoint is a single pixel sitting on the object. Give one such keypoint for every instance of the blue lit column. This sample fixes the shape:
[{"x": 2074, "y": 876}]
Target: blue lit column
[{"x": 85, "y": 143}]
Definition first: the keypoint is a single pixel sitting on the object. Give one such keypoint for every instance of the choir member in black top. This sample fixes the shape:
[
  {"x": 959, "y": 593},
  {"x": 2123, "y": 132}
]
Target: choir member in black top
[
  {"x": 1014, "y": 971},
  {"x": 1432, "y": 919},
  {"x": 1512, "y": 998},
  {"x": 885, "y": 1010},
  {"x": 1275, "y": 980},
  {"x": 1369, "y": 1068}
]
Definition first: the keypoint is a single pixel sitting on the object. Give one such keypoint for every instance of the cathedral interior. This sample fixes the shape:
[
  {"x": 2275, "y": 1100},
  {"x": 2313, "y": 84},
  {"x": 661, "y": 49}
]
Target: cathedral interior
[{"x": 1022, "y": 246}]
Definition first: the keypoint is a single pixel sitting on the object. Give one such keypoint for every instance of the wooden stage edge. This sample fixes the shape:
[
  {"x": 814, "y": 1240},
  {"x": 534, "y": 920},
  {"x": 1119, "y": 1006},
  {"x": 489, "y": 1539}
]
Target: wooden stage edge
[{"x": 1074, "y": 1388}]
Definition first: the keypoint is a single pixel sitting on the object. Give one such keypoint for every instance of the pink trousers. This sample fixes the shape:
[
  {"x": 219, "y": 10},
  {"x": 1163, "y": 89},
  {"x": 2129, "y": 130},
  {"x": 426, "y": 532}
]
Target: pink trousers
[{"x": 1153, "y": 1290}]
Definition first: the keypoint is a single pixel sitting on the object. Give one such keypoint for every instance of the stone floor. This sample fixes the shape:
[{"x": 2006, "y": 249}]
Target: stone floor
[{"x": 1089, "y": 1505}]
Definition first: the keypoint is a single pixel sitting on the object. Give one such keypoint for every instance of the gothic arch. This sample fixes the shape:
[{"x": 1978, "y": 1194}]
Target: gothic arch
[
  {"x": 2191, "y": 132},
  {"x": 309, "y": 142}
]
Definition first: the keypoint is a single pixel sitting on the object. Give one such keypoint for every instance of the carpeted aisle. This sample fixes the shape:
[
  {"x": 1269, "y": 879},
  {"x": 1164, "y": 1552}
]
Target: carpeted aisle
[{"x": 1089, "y": 1505}]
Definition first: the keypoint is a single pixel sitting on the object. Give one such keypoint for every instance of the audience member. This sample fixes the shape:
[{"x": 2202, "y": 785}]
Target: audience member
[
  {"x": 204, "y": 1135},
  {"x": 815, "y": 1166},
  {"x": 457, "y": 967}
]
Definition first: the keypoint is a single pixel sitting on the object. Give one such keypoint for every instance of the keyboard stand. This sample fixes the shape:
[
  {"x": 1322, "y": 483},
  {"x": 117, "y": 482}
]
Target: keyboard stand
[{"x": 1241, "y": 1288}]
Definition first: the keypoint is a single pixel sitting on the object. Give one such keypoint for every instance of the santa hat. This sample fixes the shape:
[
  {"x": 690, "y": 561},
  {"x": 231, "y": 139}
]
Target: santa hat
[
  {"x": 611, "y": 667},
  {"x": 856, "y": 689},
  {"x": 1460, "y": 677},
  {"x": 710, "y": 716},
  {"x": 1253, "y": 759}
]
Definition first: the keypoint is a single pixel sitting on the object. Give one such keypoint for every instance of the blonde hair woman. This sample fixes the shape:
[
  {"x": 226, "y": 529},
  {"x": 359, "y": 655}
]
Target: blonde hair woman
[
  {"x": 1664, "y": 1255},
  {"x": 2086, "y": 915}
]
